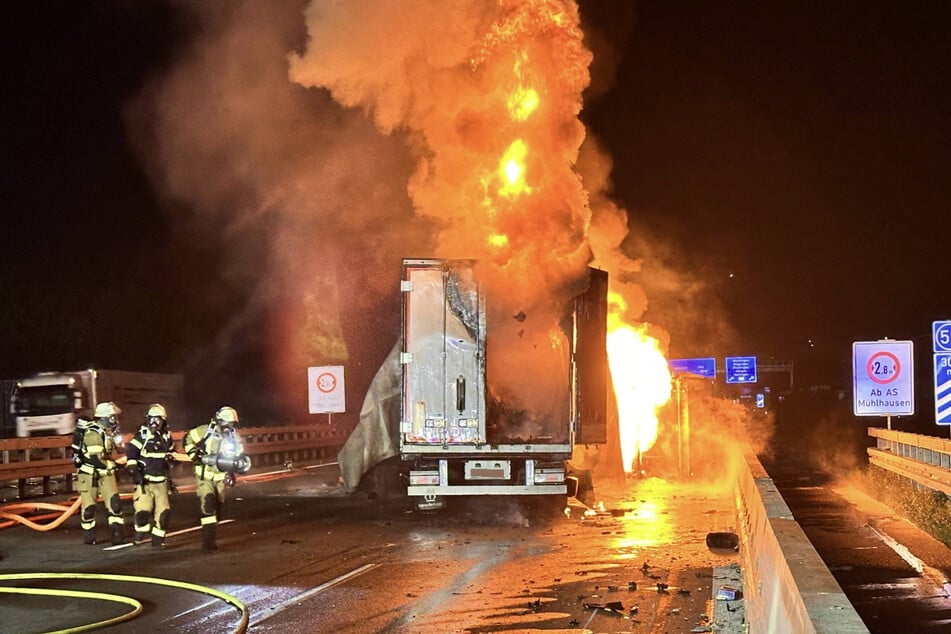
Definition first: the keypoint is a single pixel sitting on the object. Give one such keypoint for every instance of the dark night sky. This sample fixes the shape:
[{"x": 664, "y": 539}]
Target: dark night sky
[
  {"x": 795, "y": 155},
  {"x": 804, "y": 148}
]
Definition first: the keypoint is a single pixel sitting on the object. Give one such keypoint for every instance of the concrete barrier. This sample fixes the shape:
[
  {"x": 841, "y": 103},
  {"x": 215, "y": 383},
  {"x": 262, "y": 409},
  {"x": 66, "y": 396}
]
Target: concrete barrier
[{"x": 787, "y": 587}]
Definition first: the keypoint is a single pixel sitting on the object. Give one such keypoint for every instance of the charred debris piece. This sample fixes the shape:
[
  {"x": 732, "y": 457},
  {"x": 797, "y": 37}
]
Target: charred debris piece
[
  {"x": 611, "y": 607},
  {"x": 723, "y": 540}
]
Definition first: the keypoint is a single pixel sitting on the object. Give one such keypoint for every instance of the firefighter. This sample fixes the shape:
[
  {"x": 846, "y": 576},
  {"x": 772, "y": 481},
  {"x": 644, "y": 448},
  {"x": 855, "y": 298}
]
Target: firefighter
[
  {"x": 218, "y": 454},
  {"x": 149, "y": 456},
  {"x": 98, "y": 446}
]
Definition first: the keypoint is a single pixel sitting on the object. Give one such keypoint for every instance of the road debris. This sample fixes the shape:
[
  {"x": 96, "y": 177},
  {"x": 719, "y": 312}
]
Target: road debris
[
  {"x": 728, "y": 593},
  {"x": 723, "y": 540},
  {"x": 611, "y": 607}
]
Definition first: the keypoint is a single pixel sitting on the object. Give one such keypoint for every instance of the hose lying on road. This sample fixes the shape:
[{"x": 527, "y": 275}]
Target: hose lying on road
[
  {"x": 11, "y": 513},
  {"x": 136, "y": 605}
]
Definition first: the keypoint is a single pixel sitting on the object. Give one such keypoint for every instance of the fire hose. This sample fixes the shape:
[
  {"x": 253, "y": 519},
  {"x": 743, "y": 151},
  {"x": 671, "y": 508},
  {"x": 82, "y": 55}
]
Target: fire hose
[
  {"x": 12, "y": 514},
  {"x": 116, "y": 598}
]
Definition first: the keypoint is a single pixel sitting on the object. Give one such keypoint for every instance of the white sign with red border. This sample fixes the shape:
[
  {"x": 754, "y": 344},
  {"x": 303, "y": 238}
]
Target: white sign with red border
[
  {"x": 325, "y": 389},
  {"x": 883, "y": 378}
]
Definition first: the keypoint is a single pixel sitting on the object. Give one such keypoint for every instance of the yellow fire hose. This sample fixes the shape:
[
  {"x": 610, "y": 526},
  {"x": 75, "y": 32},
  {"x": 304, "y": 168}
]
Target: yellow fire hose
[
  {"x": 102, "y": 596},
  {"x": 11, "y": 514}
]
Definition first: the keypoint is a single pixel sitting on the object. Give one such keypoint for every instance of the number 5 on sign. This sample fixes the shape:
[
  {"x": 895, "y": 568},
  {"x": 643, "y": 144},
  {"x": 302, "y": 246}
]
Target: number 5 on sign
[{"x": 941, "y": 331}]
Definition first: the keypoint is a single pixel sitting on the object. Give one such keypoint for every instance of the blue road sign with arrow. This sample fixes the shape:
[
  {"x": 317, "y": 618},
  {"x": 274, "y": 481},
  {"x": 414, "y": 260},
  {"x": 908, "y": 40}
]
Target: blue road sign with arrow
[{"x": 741, "y": 369}]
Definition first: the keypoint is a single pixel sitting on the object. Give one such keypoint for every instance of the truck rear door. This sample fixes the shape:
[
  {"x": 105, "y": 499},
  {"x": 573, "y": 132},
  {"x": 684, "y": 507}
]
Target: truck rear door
[
  {"x": 444, "y": 353},
  {"x": 591, "y": 360}
]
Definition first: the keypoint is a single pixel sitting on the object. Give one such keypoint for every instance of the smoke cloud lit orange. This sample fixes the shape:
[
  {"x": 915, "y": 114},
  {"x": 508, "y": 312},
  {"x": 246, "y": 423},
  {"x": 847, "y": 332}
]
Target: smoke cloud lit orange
[{"x": 398, "y": 129}]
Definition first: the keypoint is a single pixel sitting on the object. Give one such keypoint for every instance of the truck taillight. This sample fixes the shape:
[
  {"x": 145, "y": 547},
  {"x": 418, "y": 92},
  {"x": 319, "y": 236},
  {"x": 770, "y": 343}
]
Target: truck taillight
[
  {"x": 418, "y": 478},
  {"x": 549, "y": 476}
]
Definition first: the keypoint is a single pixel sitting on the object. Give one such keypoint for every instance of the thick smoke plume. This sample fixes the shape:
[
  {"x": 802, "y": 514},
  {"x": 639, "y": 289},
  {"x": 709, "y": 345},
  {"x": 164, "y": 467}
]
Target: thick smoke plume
[
  {"x": 479, "y": 88},
  {"x": 313, "y": 146}
]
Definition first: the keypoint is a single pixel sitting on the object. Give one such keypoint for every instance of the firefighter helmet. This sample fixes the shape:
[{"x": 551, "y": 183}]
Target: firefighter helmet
[
  {"x": 155, "y": 417},
  {"x": 156, "y": 410},
  {"x": 227, "y": 416},
  {"x": 107, "y": 410}
]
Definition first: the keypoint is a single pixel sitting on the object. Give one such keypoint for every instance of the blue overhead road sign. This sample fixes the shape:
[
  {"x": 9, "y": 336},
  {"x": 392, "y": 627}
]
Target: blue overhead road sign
[
  {"x": 705, "y": 367},
  {"x": 741, "y": 369}
]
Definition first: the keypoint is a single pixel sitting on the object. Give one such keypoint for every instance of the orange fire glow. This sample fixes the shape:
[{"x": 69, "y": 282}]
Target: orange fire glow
[
  {"x": 490, "y": 101},
  {"x": 642, "y": 383},
  {"x": 523, "y": 101},
  {"x": 512, "y": 169},
  {"x": 640, "y": 373},
  {"x": 498, "y": 240}
]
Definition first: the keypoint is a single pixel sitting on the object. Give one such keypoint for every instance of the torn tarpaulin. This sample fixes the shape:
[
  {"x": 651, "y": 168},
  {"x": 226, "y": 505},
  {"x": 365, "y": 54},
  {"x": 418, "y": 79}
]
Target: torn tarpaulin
[{"x": 374, "y": 438}]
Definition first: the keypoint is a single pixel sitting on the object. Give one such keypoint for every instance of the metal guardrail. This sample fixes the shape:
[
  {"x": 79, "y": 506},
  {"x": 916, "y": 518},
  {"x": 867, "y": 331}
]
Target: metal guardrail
[
  {"x": 926, "y": 460},
  {"x": 48, "y": 457}
]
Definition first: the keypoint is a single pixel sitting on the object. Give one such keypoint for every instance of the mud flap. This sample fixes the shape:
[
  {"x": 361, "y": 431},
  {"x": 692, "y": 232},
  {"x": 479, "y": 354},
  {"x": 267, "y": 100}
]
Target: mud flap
[
  {"x": 572, "y": 483},
  {"x": 583, "y": 485}
]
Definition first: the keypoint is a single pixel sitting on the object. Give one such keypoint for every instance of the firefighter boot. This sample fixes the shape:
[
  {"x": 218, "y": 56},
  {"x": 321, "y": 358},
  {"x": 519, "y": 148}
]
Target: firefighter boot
[
  {"x": 208, "y": 543},
  {"x": 141, "y": 536},
  {"x": 158, "y": 541},
  {"x": 89, "y": 535},
  {"x": 116, "y": 534}
]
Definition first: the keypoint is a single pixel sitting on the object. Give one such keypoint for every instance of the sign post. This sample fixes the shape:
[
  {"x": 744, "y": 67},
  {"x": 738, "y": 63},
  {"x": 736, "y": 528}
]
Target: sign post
[
  {"x": 325, "y": 390},
  {"x": 685, "y": 370},
  {"x": 883, "y": 378}
]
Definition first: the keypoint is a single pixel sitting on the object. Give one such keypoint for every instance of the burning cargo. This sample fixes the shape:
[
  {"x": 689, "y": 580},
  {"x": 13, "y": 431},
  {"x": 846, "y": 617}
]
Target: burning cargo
[{"x": 438, "y": 405}]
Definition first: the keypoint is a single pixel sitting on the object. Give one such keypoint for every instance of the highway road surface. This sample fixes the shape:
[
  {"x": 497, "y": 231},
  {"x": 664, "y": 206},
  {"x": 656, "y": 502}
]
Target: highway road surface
[{"x": 296, "y": 554}]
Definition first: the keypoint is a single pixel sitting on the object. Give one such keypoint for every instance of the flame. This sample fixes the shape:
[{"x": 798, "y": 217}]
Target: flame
[
  {"x": 512, "y": 170},
  {"x": 498, "y": 240},
  {"x": 642, "y": 382},
  {"x": 523, "y": 101}
]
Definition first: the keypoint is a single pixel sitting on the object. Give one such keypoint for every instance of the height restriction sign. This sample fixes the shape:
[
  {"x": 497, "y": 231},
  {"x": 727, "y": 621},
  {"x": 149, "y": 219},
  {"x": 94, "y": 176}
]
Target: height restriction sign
[
  {"x": 325, "y": 389},
  {"x": 883, "y": 378}
]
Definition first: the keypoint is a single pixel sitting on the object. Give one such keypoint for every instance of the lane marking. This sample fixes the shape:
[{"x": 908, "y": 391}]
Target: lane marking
[
  {"x": 933, "y": 575},
  {"x": 306, "y": 595},
  {"x": 323, "y": 464}
]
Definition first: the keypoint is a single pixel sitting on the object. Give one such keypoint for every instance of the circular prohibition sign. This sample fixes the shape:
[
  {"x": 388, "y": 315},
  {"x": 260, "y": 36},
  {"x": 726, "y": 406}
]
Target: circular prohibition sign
[
  {"x": 326, "y": 382},
  {"x": 883, "y": 370}
]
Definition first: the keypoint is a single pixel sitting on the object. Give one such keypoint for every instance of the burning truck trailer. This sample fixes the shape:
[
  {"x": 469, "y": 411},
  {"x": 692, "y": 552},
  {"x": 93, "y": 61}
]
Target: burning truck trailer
[{"x": 442, "y": 428}]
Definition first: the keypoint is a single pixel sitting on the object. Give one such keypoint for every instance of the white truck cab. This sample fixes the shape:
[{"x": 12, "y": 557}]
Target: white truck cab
[{"x": 48, "y": 402}]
